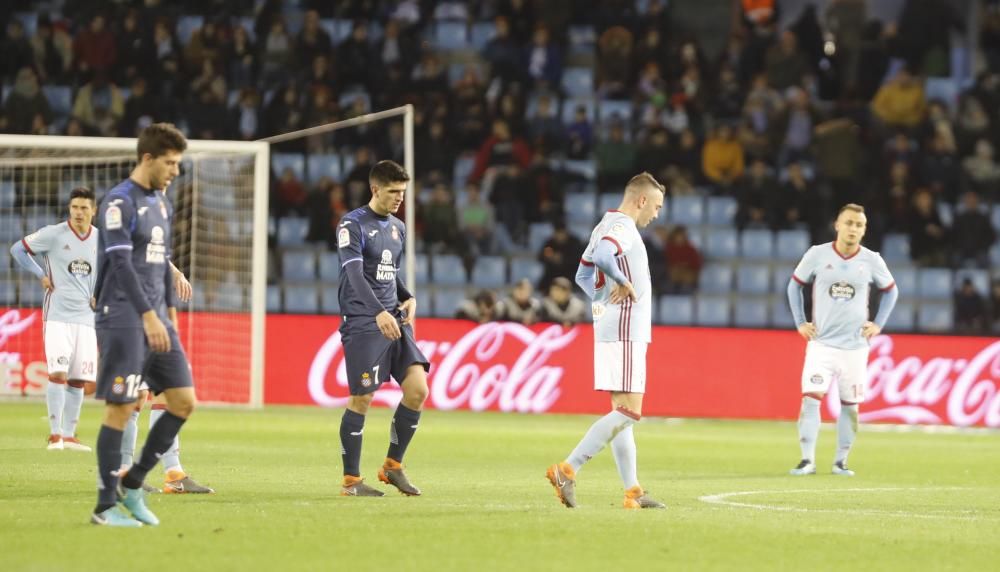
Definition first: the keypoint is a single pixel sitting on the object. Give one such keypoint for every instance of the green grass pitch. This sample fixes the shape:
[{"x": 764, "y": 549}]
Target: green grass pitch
[{"x": 920, "y": 501}]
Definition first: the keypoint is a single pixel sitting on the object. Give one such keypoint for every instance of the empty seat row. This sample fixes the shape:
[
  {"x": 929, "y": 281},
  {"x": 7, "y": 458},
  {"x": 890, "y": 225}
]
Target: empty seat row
[{"x": 312, "y": 167}]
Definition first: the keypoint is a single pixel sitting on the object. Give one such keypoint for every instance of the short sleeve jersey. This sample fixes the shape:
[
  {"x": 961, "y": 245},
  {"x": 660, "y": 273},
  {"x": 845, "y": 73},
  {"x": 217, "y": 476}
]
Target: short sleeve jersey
[
  {"x": 134, "y": 219},
  {"x": 840, "y": 286},
  {"x": 377, "y": 242},
  {"x": 629, "y": 321},
  {"x": 70, "y": 262}
]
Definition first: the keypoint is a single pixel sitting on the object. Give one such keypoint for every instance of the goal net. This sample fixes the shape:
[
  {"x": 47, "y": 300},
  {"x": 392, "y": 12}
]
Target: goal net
[{"x": 219, "y": 199}]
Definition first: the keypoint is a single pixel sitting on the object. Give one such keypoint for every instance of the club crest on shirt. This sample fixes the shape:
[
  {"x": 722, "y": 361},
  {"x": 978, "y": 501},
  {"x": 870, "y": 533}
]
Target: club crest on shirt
[
  {"x": 816, "y": 379},
  {"x": 842, "y": 291}
]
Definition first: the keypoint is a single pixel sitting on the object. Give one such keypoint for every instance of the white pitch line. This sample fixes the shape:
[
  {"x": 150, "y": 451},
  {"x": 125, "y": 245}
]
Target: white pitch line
[{"x": 722, "y": 499}]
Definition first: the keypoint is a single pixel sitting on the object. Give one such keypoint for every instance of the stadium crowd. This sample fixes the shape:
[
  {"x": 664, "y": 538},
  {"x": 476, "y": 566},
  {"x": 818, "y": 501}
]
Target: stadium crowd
[{"x": 790, "y": 121}]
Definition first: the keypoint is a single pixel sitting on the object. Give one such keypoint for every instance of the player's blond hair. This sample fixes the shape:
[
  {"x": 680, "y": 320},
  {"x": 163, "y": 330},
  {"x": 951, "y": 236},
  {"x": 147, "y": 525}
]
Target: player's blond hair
[
  {"x": 641, "y": 182},
  {"x": 853, "y": 207}
]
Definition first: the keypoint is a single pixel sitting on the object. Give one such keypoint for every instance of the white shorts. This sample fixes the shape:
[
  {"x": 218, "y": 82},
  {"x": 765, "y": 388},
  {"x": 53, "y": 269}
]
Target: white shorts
[
  {"x": 620, "y": 366},
  {"x": 71, "y": 349},
  {"x": 824, "y": 364}
]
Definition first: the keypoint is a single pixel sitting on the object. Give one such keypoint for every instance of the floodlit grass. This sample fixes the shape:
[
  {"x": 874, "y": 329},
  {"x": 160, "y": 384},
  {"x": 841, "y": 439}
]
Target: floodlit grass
[{"x": 919, "y": 501}]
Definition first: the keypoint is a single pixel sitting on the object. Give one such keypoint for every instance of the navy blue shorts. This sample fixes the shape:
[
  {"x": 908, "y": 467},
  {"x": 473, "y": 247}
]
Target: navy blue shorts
[
  {"x": 371, "y": 358},
  {"x": 125, "y": 361}
]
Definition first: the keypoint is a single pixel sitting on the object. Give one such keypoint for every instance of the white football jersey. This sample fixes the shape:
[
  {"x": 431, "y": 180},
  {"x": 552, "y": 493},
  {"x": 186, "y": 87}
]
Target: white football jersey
[
  {"x": 70, "y": 261},
  {"x": 629, "y": 321}
]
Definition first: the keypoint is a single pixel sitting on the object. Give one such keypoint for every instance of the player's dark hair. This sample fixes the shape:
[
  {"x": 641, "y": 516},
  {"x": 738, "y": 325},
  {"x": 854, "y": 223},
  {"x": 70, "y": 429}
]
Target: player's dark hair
[
  {"x": 159, "y": 139},
  {"x": 851, "y": 207},
  {"x": 82, "y": 193},
  {"x": 644, "y": 179},
  {"x": 386, "y": 173}
]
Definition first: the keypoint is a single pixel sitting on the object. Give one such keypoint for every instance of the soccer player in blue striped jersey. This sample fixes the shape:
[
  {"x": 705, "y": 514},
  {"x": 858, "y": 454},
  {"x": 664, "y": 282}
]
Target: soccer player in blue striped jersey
[{"x": 840, "y": 274}]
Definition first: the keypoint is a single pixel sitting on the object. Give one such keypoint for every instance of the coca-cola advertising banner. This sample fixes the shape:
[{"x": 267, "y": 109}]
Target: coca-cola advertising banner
[{"x": 692, "y": 372}]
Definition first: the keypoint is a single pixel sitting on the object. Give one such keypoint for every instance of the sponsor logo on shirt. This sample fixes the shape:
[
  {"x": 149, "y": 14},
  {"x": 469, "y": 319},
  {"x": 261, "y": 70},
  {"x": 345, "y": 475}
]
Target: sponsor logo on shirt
[
  {"x": 156, "y": 250},
  {"x": 386, "y": 271},
  {"x": 80, "y": 267},
  {"x": 343, "y": 238},
  {"x": 816, "y": 379},
  {"x": 841, "y": 291},
  {"x": 113, "y": 217},
  {"x": 598, "y": 309}
]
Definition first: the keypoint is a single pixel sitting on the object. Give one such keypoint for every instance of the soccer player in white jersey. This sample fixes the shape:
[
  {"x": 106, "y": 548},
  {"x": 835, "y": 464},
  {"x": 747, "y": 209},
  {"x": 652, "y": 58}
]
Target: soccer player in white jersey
[
  {"x": 840, "y": 274},
  {"x": 614, "y": 272},
  {"x": 69, "y": 252}
]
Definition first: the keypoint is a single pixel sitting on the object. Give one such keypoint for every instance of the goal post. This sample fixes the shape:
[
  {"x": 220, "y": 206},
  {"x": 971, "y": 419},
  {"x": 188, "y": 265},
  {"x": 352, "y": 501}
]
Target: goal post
[{"x": 220, "y": 241}]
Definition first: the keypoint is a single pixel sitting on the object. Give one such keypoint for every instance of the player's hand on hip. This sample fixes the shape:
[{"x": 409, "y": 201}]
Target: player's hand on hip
[
  {"x": 409, "y": 310},
  {"x": 622, "y": 292},
  {"x": 388, "y": 326},
  {"x": 870, "y": 330},
  {"x": 156, "y": 332},
  {"x": 182, "y": 287},
  {"x": 807, "y": 330},
  {"x": 47, "y": 284}
]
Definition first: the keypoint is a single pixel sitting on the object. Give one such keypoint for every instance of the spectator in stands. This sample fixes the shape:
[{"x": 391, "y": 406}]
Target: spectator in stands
[
  {"x": 476, "y": 222},
  {"x": 722, "y": 158},
  {"x": 277, "y": 57},
  {"x": 482, "y": 308},
  {"x": 727, "y": 102},
  {"x": 928, "y": 235},
  {"x": 981, "y": 170},
  {"x": 100, "y": 105},
  {"x": 521, "y": 305},
  {"x": 206, "y": 44},
  {"x": 246, "y": 116},
  {"x": 543, "y": 60},
  {"x": 168, "y": 60},
  {"x": 972, "y": 124},
  {"x": 793, "y": 126},
  {"x": 207, "y": 116},
  {"x": 289, "y": 194},
  {"x": 15, "y": 51},
  {"x": 676, "y": 118},
  {"x": 94, "y": 48},
  {"x": 687, "y": 157},
  {"x": 396, "y": 48},
  {"x": 242, "y": 57},
  {"x": 561, "y": 306},
  {"x": 970, "y": 309},
  {"x": 25, "y": 102},
  {"x": 545, "y": 127},
  {"x": 503, "y": 53},
  {"x": 285, "y": 113},
  {"x": 559, "y": 256},
  {"x": 440, "y": 223},
  {"x": 140, "y": 105},
  {"x": 995, "y": 306},
  {"x": 940, "y": 167},
  {"x": 435, "y": 151},
  {"x": 972, "y": 233},
  {"x": 357, "y": 178},
  {"x": 327, "y": 206},
  {"x": 684, "y": 262},
  {"x": 579, "y": 135},
  {"x": 656, "y": 248},
  {"x": 615, "y": 159},
  {"x": 356, "y": 58},
  {"x": 756, "y": 195},
  {"x": 900, "y": 102},
  {"x": 320, "y": 74},
  {"x": 53, "y": 50},
  {"x": 429, "y": 76},
  {"x": 653, "y": 154},
  {"x": 614, "y": 58},
  {"x": 312, "y": 40},
  {"x": 798, "y": 202},
  {"x": 520, "y": 15},
  {"x": 784, "y": 63}
]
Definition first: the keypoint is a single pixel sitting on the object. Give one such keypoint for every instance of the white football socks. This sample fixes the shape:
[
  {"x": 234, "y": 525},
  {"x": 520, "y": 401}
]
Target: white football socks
[
  {"x": 55, "y": 401},
  {"x": 623, "y": 448},
  {"x": 847, "y": 430},
  {"x": 600, "y": 433},
  {"x": 71, "y": 410},
  {"x": 809, "y": 419},
  {"x": 129, "y": 437}
]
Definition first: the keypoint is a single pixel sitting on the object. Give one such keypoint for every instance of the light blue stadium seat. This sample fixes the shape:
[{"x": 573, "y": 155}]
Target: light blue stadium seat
[
  {"x": 325, "y": 165},
  {"x": 721, "y": 210},
  {"x": 995, "y": 255},
  {"x": 901, "y": 318},
  {"x": 447, "y": 270},
  {"x": 11, "y": 228},
  {"x": 186, "y": 26},
  {"x": 581, "y": 230},
  {"x": 60, "y": 98},
  {"x": 578, "y": 81},
  {"x": 450, "y": 35},
  {"x": 722, "y": 243},
  {"x": 712, "y": 311},
  {"x": 490, "y": 272},
  {"x": 687, "y": 210},
  {"x": 676, "y": 310},
  {"x": 716, "y": 278},
  {"x": 481, "y": 34},
  {"x": 422, "y": 269},
  {"x": 341, "y": 29},
  {"x": 329, "y": 301},
  {"x": 273, "y": 298},
  {"x": 935, "y": 283},
  {"x": 935, "y": 317},
  {"x": 753, "y": 279},
  {"x": 569, "y": 109},
  {"x": 294, "y": 161},
  {"x": 301, "y": 299},
  {"x": 298, "y": 265},
  {"x": 906, "y": 280},
  {"x": 896, "y": 248},
  {"x": 585, "y": 168},
  {"x": 791, "y": 244},
  {"x": 757, "y": 244},
  {"x": 457, "y": 69},
  {"x": 446, "y": 301},
  {"x": 607, "y": 202},
  {"x": 781, "y": 314},
  {"x": 526, "y": 268},
  {"x": 538, "y": 233},
  {"x": 8, "y": 292},
  {"x": 5, "y": 261},
  {"x": 779, "y": 279},
  {"x": 610, "y": 109},
  {"x": 463, "y": 168},
  {"x": 292, "y": 231},
  {"x": 39, "y": 220},
  {"x": 229, "y": 298},
  {"x": 581, "y": 207},
  {"x": 31, "y": 293},
  {"x": 7, "y": 194},
  {"x": 329, "y": 266},
  {"x": 751, "y": 313},
  {"x": 347, "y": 99},
  {"x": 980, "y": 279}
]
